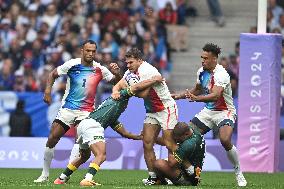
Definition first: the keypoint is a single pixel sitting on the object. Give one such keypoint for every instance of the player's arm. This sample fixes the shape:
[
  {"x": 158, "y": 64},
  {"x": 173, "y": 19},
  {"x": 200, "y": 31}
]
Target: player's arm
[
  {"x": 118, "y": 87},
  {"x": 196, "y": 90},
  {"x": 124, "y": 133},
  {"x": 49, "y": 83},
  {"x": 215, "y": 94},
  {"x": 142, "y": 88},
  {"x": 115, "y": 70}
]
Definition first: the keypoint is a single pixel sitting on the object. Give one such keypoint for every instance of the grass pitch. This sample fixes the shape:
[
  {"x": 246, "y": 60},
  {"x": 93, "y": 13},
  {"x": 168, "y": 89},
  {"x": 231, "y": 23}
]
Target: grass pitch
[{"x": 131, "y": 179}]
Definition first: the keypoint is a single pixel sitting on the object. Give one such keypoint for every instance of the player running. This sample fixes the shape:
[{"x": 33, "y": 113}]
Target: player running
[
  {"x": 214, "y": 88},
  {"x": 185, "y": 167},
  {"x": 84, "y": 75},
  {"x": 91, "y": 132}
]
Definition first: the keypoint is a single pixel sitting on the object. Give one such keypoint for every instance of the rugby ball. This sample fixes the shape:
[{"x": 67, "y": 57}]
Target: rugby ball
[{"x": 131, "y": 79}]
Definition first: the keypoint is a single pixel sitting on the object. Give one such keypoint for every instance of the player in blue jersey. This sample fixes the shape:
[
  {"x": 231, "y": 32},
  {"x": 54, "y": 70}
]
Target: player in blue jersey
[
  {"x": 184, "y": 168},
  {"x": 214, "y": 88},
  {"x": 83, "y": 77},
  {"x": 91, "y": 131}
]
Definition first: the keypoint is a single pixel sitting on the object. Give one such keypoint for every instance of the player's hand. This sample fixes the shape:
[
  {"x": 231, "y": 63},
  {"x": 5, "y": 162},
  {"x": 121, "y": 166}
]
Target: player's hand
[
  {"x": 176, "y": 96},
  {"x": 115, "y": 95},
  {"x": 190, "y": 96},
  {"x": 47, "y": 97},
  {"x": 114, "y": 68},
  {"x": 158, "y": 78}
]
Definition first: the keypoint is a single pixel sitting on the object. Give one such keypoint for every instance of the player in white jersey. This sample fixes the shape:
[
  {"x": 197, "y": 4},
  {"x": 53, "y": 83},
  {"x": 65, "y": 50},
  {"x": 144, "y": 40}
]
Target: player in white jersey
[
  {"x": 213, "y": 87},
  {"x": 161, "y": 109},
  {"x": 84, "y": 75}
]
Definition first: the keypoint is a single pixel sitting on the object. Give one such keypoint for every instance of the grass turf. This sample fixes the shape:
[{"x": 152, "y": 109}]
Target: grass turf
[{"x": 131, "y": 179}]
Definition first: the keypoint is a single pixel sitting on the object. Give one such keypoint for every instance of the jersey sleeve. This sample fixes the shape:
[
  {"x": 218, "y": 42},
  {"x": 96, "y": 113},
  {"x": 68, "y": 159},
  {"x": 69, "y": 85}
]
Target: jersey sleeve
[
  {"x": 198, "y": 76},
  {"x": 185, "y": 150},
  {"x": 116, "y": 125},
  {"x": 147, "y": 72},
  {"x": 63, "y": 69},
  {"x": 107, "y": 75},
  {"x": 221, "y": 79}
]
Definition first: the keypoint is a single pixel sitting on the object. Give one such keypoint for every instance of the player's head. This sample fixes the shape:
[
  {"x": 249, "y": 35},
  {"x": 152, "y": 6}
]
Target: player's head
[
  {"x": 181, "y": 132},
  {"x": 209, "y": 56},
  {"x": 133, "y": 59},
  {"x": 88, "y": 51}
]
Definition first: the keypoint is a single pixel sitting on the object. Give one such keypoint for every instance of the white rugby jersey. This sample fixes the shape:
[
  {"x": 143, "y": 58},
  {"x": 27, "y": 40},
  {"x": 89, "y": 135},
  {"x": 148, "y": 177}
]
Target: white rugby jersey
[
  {"x": 159, "y": 96},
  {"x": 219, "y": 77}
]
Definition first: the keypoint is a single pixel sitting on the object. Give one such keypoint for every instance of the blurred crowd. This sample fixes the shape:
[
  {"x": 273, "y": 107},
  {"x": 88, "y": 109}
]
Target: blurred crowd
[{"x": 38, "y": 35}]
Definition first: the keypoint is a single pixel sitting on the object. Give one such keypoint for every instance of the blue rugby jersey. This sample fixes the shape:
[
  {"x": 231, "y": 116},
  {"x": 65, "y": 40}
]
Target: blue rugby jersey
[
  {"x": 218, "y": 77},
  {"x": 82, "y": 82}
]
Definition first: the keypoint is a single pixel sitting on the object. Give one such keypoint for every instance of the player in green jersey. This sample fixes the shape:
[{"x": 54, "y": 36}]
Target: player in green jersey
[
  {"x": 184, "y": 167},
  {"x": 91, "y": 131}
]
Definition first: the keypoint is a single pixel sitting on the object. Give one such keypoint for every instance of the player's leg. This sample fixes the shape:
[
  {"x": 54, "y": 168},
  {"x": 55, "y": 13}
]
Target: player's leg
[
  {"x": 58, "y": 129},
  {"x": 150, "y": 133},
  {"x": 81, "y": 115},
  {"x": 203, "y": 121},
  {"x": 93, "y": 135},
  {"x": 165, "y": 169},
  {"x": 225, "y": 133},
  {"x": 85, "y": 154},
  {"x": 99, "y": 151}
]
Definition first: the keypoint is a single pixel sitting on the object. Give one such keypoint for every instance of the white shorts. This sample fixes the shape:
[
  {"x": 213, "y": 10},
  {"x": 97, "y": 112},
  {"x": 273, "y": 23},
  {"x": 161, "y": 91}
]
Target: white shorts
[
  {"x": 89, "y": 132},
  {"x": 70, "y": 117},
  {"x": 167, "y": 118},
  {"x": 210, "y": 118}
]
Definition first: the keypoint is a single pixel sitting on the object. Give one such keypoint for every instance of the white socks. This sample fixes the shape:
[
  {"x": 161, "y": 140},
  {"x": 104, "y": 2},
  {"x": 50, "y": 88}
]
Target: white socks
[
  {"x": 190, "y": 170},
  {"x": 152, "y": 174},
  {"x": 89, "y": 176},
  {"x": 234, "y": 159},
  {"x": 48, "y": 156},
  {"x": 75, "y": 153}
]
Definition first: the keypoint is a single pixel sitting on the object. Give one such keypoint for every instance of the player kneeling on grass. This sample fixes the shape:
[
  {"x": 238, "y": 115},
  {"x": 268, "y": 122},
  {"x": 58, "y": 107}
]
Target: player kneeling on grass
[
  {"x": 91, "y": 131},
  {"x": 184, "y": 167}
]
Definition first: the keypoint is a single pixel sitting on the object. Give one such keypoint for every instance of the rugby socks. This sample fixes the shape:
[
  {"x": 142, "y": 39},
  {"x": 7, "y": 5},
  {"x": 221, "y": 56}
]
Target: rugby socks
[
  {"x": 234, "y": 159},
  {"x": 68, "y": 171},
  {"x": 93, "y": 169},
  {"x": 152, "y": 174},
  {"x": 75, "y": 153},
  {"x": 48, "y": 156},
  {"x": 190, "y": 170}
]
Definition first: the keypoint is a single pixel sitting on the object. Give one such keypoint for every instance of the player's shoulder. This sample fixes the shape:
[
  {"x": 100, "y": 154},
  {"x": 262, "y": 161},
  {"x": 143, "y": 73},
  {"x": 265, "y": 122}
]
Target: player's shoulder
[
  {"x": 146, "y": 66},
  {"x": 72, "y": 62},
  {"x": 99, "y": 65},
  {"x": 220, "y": 71},
  {"x": 96, "y": 64},
  {"x": 200, "y": 70}
]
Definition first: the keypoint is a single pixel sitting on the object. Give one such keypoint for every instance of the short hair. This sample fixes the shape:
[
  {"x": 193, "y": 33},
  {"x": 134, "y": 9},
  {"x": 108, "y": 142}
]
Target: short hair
[
  {"x": 88, "y": 41},
  {"x": 214, "y": 49},
  {"x": 180, "y": 129},
  {"x": 134, "y": 53}
]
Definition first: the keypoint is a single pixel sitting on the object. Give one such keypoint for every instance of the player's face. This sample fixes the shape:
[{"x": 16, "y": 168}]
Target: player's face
[
  {"x": 132, "y": 64},
  {"x": 88, "y": 52},
  {"x": 208, "y": 60}
]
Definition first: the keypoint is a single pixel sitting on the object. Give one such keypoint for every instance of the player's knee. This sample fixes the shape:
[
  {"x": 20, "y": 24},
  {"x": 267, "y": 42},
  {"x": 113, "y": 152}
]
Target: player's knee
[
  {"x": 52, "y": 141},
  {"x": 148, "y": 143},
  {"x": 226, "y": 142},
  {"x": 158, "y": 164}
]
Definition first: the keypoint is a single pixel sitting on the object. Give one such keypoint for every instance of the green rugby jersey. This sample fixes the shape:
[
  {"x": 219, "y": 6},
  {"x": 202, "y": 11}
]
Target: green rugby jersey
[
  {"x": 192, "y": 150},
  {"x": 108, "y": 112}
]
